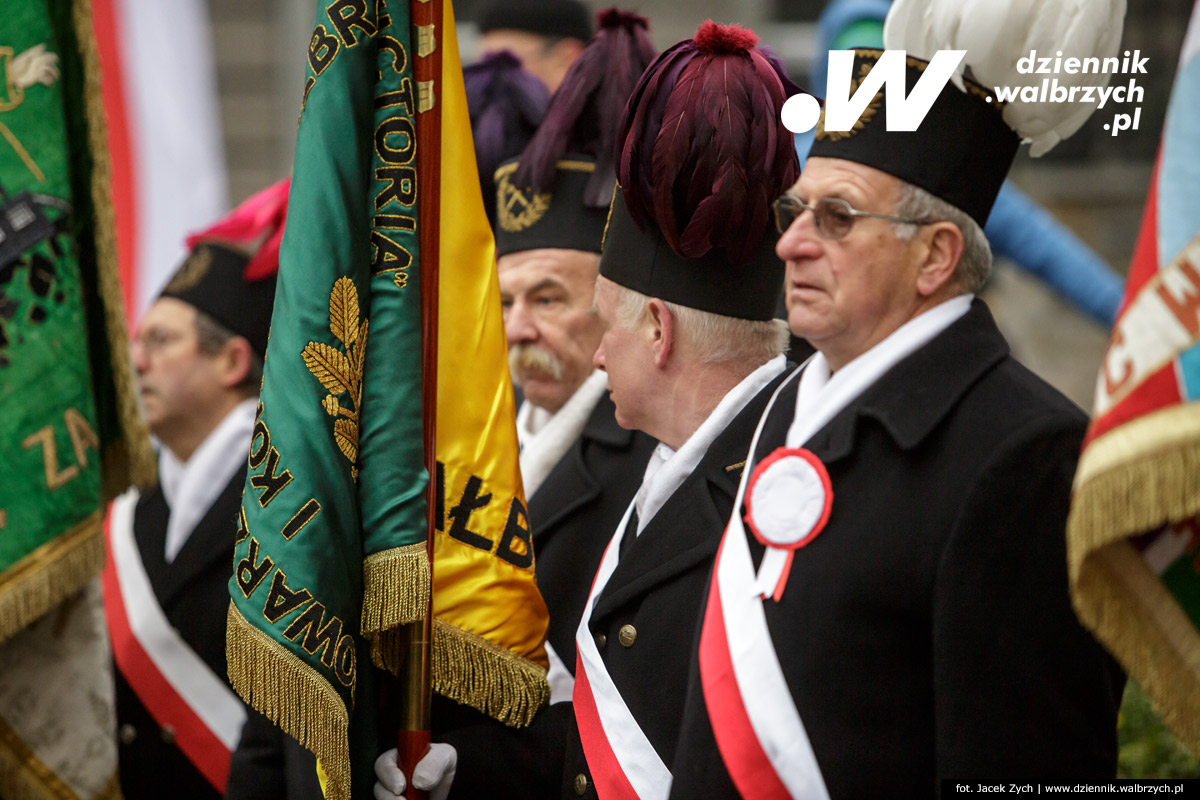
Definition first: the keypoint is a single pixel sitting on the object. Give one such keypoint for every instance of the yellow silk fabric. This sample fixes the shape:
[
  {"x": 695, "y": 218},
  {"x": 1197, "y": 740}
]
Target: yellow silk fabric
[{"x": 476, "y": 429}]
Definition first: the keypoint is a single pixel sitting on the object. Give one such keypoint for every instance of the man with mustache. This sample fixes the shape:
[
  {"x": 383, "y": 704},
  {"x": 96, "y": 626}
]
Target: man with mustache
[
  {"x": 198, "y": 355},
  {"x": 579, "y": 467}
]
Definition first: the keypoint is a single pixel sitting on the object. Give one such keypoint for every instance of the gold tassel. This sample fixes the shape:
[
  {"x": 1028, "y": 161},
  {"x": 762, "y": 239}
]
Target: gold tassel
[
  {"x": 1117, "y": 595},
  {"x": 1133, "y": 498},
  {"x": 130, "y": 459},
  {"x": 273, "y": 681},
  {"x": 50, "y": 574},
  {"x": 1119, "y": 598},
  {"x": 396, "y": 585},
  {"x": 475, "y": 672}
]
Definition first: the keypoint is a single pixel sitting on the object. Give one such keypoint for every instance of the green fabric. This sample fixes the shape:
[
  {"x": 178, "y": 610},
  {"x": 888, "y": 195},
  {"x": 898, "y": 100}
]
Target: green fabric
[
  {"x": 47, "y": 300},
  {"x": 340, "y": 407}
]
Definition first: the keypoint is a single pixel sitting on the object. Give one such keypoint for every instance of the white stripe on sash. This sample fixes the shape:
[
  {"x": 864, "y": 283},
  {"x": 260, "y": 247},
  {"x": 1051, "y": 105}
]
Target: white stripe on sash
[
  {"x": 637, "y": 758},
  {"x": 205, "y": 692}
]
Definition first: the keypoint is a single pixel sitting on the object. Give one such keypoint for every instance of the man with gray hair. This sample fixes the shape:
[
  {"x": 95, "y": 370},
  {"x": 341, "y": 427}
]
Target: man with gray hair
[{"x": 890, "y": 604}]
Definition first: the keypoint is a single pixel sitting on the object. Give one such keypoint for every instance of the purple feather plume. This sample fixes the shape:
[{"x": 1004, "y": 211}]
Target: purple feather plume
[
  {"x": 702, "y": 151},
  {"x": 585, "y": 110},
  {"x": 506, "y": 104}
]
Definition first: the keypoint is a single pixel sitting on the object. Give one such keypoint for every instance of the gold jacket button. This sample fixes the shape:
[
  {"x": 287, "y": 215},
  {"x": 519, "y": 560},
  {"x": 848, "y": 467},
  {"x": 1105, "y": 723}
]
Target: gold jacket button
[
  {"x": 127, "y": 733},
  {"x": 601, "y": 640},
  {"x": 168, "y": 734},
  {"x": 581, "y": 784},
  {"x": 627, "y": 635}
]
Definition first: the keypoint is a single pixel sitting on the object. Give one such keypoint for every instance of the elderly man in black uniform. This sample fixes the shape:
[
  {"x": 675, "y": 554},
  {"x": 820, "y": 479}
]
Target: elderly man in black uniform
[
  {"x": 687, "y": 293},
  {"x": 579, "y": 468},
  {"x": 890, "y": 606},
  {"x": 198, "y": 356}
]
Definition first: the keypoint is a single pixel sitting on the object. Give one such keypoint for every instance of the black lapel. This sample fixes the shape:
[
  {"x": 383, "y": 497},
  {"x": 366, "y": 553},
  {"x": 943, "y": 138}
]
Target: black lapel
[
  {"x": 687, "y": 529},
  {"x": 911, "y": 398},
  {"x": 571, "y": 479},
  {"x": 212, "y": 541},
  {"x": 150, "y": 532}
]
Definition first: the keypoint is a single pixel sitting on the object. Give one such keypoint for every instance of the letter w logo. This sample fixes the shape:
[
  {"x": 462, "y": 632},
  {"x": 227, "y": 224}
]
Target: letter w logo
[{"x": 905, "y": 111}]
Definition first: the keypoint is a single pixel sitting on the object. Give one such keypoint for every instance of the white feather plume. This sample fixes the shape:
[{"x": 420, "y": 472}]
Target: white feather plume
[{"x": 998, "y": 33}]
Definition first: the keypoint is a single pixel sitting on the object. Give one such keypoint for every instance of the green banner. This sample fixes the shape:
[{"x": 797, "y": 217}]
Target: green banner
[
  {"x": 61, "y": 418},
  {"x": 331, "y": 543}
]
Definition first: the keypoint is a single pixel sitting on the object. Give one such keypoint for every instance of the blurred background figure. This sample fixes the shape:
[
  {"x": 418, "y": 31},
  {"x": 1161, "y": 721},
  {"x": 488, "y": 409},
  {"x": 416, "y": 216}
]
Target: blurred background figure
[
  {"x": 546, "y": 36},
  {"x": 198, "y": 356}
]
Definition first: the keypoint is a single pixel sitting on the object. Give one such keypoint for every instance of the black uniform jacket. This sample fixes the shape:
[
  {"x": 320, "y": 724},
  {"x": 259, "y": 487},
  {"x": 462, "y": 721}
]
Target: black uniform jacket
[
  {"x": 193, "y": 593},
  {"x": 657, "y": 590},
  {"x": 645, "y": 618},
  {"x": 927, "y": 631},
  {"x": 575, "y": 512}
]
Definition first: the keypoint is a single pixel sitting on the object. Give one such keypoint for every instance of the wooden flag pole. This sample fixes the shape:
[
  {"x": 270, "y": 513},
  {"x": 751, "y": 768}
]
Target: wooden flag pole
[{"x": 416, "y": 685}]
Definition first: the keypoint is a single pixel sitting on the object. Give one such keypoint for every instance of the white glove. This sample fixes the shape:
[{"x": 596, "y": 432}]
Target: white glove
[{"x": 434, "y": 774}]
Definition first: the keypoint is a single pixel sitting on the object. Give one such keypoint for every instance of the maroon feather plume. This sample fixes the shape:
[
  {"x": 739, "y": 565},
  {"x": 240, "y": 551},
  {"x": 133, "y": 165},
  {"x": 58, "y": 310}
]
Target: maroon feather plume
[
  {"x": 584, "y": 112},
  {"x": 702, "y": 149}
]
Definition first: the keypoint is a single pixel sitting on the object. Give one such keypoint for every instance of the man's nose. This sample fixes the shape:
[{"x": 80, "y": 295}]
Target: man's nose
[
  {"x": 137, "y": 356},
  {"x": 519, "y": 325},
  {"x": 598, "y": 357},
  {"x": 800, "y": 240}
]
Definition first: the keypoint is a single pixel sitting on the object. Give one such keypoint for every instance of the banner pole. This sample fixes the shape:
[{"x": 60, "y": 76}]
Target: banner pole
[{"x": 416, "y": 685}]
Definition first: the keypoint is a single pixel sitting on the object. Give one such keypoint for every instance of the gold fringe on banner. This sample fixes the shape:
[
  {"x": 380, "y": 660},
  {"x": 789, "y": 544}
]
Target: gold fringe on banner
[
  {"x": 475, "y": 672},
  {"x": 48, "y": 575},
  {"x": 396, "y": 585},
  {"x": 23, "y": 776},
  {"x": 273, "y": 681},
  {"x": 1119, "y": 598},
  {"x": 1136, "y": 479},
  {"x": 130, "y": 459}
]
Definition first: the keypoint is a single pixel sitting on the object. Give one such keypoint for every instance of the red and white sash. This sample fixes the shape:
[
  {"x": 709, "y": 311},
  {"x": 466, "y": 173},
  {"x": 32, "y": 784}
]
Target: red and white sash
[
  {"x": 172, "y": 681},
  {"x": 754, "y": 719},
  {"x": 623, "y": 763}
]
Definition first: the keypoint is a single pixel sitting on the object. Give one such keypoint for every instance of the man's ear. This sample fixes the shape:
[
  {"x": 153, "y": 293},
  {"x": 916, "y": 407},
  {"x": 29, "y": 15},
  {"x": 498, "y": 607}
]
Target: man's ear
[
  {"x": 943, "y": 251},
  {"x": 661, "y": 327},
  {"x": 234, "y": 361}
]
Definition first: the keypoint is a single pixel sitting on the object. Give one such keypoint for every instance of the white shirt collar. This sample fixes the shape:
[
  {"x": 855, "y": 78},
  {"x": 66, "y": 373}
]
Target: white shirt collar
[
  {"x": 546, "y": 437},
  {"x": 669, "y": 468},
  {"x": 190, "y": 487},
  {"x": 820, "y": 395}
]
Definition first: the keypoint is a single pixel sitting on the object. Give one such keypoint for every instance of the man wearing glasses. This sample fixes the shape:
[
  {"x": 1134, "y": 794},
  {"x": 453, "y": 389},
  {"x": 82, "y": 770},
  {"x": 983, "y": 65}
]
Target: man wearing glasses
[
  {"x": 199, "y": 358},
  {"x": 890, "y": 604}
]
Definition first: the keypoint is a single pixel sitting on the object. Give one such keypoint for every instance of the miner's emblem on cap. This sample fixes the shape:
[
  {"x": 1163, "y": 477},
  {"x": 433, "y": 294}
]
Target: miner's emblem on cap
[
  {"x": 517, "y": 210},
  {"x": 191, "y": 271}
]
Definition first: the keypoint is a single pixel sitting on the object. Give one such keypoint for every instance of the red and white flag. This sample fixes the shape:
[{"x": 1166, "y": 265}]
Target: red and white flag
[{"x": 164, "y": 129}]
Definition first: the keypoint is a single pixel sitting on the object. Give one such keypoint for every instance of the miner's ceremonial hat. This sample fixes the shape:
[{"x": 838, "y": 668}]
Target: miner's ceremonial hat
[
  {"x": 557, "y": 194},
  {"x": 229, "y": 275},
  {"x": 960, "y": 153},
  {"x": 703, "y": 154}
]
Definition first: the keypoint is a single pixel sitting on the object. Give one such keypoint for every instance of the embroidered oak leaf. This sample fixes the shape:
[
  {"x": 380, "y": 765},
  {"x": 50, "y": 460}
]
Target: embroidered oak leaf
[
  {"x": 331, "y": 367},
  {"x": 343, "y": 311},
  {"x": 345, "y": 433},
  {"x": 339, "y": 371}
]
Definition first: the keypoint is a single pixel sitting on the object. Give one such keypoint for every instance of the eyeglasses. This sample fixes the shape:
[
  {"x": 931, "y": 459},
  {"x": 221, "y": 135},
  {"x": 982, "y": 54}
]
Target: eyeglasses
[
  {"x": 834, "y": 217},
  {"x": 154, "y": 340}
]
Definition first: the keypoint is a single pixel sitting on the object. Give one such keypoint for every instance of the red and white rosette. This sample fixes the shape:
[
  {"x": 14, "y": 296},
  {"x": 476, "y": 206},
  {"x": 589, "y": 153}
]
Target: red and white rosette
[
  {"x": 757, "y": 727},
  {"x": 788, "y": 500}
]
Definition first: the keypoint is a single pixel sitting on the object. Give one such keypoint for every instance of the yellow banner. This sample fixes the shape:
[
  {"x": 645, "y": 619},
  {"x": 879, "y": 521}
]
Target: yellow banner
[{"x": 490, "y": 620}]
